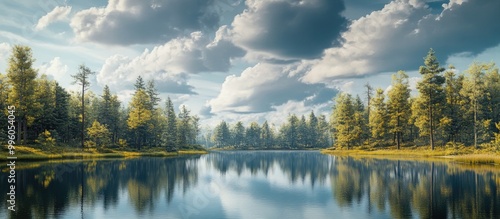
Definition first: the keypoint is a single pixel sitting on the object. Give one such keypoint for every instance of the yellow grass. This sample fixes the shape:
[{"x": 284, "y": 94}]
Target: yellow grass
[
  {"x": 32, "y": 153},
  {"x": 459, "y": 154}
]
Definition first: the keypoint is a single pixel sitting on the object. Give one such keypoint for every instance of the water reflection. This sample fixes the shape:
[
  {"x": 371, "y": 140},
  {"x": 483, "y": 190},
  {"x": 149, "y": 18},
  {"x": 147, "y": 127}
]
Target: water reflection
[
  {"x": 269, "y": 184},
  {"x": 50, "y": 189}
]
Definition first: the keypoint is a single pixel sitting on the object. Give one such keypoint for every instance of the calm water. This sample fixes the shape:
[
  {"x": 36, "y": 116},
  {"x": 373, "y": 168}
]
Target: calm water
[{"x": 253, "y": 185}]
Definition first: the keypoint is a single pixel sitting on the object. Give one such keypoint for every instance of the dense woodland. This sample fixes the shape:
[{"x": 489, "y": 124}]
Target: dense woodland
[
  {"x": 450, "y": 107},
  {"x": 48, "y": 115}
]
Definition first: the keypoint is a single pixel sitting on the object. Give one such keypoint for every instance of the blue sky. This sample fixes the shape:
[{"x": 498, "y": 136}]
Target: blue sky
[{"x": 248, "y": 60}]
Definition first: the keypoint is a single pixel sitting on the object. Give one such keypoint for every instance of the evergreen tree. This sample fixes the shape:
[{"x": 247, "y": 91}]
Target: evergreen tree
[
  {"x": 109, "y": 113},
  {"x": 302, "y": 135},
  {"x": 22, "y": 77},
  {"x": 183, "y": 127},
  {"x": 427, "y": 107},
  {"x": 266, "y": 135},
  {"x": 252, "y": 135},
  {"x": 313, "y": 131},
  {"x": 344, "y": 122},
  {"x": 139, "y": 116},
  {"x": 154, "y": 128},
  {"x": 222, "y": 135},
  {"x": 474, "y": 89},
  {"x": 452, "y": 121},
  {"x": 379, "y": 117},
  {"x": 398, "y": 105},
  {"x": 238, "y": 135},
  {"x": 61, "y": 113},
  {"x": 82, "y": 78},
  {"x": 171, "y": 126},
  {"x": 45, "y": 117}
]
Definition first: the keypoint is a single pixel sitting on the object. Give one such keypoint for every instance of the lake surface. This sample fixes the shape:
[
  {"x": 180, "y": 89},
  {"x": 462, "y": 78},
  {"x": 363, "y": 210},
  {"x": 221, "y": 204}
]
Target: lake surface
[{"x": 267, "y": 184}]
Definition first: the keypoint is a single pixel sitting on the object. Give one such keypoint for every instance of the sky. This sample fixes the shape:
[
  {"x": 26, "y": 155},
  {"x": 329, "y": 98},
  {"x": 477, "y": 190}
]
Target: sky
[{"x": 248, "y": 60}]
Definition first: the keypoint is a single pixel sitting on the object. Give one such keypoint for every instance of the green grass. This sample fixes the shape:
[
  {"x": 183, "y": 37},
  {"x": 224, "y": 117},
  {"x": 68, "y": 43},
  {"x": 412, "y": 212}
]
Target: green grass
[
  {"x": 35, "y": 152},
  {"x": 460, "y": 154}
]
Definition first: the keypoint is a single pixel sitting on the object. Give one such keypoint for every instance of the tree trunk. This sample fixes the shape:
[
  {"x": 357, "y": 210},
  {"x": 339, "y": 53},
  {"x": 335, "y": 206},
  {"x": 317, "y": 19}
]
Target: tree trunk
[
  {"x": 25, "y": 129},
  {"x": 431, "y": 124},
  {"x": 83, "y": 117},
  {"x": 475, "y": 126}
]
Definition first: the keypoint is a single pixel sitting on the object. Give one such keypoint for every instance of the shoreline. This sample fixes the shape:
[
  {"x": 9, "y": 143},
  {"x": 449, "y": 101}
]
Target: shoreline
[
  {"x": 469, "y": 156},
  {"x": 27, "y": 153}
]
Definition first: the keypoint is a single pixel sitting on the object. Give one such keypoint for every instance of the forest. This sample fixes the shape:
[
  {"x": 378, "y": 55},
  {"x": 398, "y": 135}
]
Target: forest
[
  {"x": 46, "y": 114},
  {"x": 449, "y": 108}
]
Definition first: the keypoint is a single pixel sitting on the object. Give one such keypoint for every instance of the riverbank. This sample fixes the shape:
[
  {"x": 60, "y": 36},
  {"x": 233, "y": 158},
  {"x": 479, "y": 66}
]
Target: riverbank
[
  {"x": 468, "y": 155},
  {"x": 34, "y": 153}
]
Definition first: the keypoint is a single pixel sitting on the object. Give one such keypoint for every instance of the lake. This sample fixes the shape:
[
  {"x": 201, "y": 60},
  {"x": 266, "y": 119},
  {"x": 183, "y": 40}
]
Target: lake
[{"x": 249, "y": 184}]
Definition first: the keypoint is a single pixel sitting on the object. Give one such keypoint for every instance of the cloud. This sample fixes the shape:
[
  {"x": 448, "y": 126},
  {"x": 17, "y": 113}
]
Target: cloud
[
  {"x": 120, "y": 72},
  {"x": 171, "y": 63},
  {"x": 260, "y": 88},
  {"x": 292, "y": 29},
  {"x": 126, "y": 22},
  {"x": 399, "y": 35},
  {"x": 55, "y": 68},
  {"x": 4, "y": 54},
  {"x": 59, "y": 13}
]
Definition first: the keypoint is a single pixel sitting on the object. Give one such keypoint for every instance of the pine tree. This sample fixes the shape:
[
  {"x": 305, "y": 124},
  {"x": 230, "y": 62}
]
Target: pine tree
[
  {"x": 379, "y": 117},
  {"x": 238, "y": 135},
  {"x": 313, "y": 132},
  {"x": 221, "y": 135},
  {"x": 183, "y": 127},
  {"x": 266, "y": 135},
  {"x": 139, "y": 116},
  {"x": 22, "y": 77},
  {"x": 428, "y": 105},
  {"x": 452, "y": 121},
  {"x": 82, "y": 78},
  {"x": 45, "y": 117},
  {"x": 474, "y": 89},
  {"x": 61, "y": 113},
  {"x": 398, "y": 105},
  {"x": 154, "y": 128},
  {"x": 344, "y": 121},
  {"x": 302, "y": 135},
  {"x": 252, "y": 135},
  {"x": 171, "y": 126}
]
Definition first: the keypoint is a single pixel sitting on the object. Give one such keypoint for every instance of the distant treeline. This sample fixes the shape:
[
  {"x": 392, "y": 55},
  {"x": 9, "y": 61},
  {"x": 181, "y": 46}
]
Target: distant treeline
[
  {"x": 48, "y": 115},
  {"x": 313, "y": 132},
  {"x": 449, "y": 108}
]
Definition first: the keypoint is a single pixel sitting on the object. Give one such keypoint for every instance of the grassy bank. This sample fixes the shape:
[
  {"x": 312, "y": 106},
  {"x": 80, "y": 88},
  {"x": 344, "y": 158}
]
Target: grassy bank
[
  {"x": 39, "y": 153},
  {"x": 459, "y": 154}
]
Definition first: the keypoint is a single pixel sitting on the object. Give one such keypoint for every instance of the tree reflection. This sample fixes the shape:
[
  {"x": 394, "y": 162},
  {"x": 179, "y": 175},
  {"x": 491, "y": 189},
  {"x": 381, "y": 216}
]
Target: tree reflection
[
  {"x": 394, "y": 188},
  {"x": 416, "y": 188},
  {"x": 50, "y": 189}
]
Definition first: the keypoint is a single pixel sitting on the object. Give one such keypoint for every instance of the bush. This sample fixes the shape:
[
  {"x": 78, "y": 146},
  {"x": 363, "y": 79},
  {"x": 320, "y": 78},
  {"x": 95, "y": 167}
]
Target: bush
[{"x": 45, "y": 139}]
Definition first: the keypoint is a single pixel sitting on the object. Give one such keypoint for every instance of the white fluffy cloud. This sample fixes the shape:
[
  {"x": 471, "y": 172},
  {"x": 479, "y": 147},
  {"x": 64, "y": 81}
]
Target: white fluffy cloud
[
  {"x": 55, "y": 68},
  {"x": 169, "y": 64},
  {"x": 397, "y": 36},
  {"x": 126, "y": 22},
  {"x": 59, "y": 13},
  {"x": 265, "y": 86}
]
